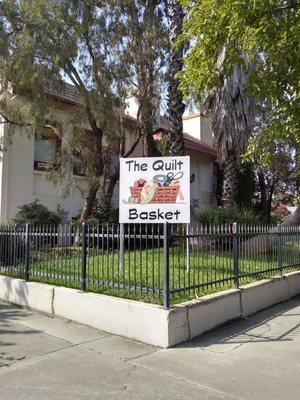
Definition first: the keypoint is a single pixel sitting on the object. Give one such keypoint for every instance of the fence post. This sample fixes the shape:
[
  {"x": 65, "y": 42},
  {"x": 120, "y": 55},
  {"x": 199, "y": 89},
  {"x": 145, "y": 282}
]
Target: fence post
[
  {"x": 166, "y": 289},
  {"x": 122, "y": 238},
  {"x": 83, "y": 258},
  {"x": 27, "y": 252},
  {"x": 235, "y": 254},
  {"x": 279, "y": 250}
]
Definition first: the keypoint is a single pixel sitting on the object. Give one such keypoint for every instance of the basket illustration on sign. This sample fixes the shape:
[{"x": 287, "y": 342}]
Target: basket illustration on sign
[{"x": 162, "y": 189}]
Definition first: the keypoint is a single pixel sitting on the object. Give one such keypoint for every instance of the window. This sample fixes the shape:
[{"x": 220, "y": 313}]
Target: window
[
  {"x": 45, "y": 150},
  {"x": 78, "y": 165}
]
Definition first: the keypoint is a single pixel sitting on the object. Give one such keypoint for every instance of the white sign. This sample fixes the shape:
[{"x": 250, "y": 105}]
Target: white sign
[{"x": 155, "y": 190}]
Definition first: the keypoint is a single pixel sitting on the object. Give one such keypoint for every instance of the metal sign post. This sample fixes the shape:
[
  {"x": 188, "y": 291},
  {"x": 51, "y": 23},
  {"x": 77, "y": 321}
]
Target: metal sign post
[
  {"x": 187, "y": 247},
  {"x": 155, "y": 190},
  {"x": 166, "y": 289}
]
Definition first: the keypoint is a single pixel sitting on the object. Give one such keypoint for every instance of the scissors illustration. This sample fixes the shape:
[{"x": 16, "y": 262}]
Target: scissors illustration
[
  {"x": 165, "y": 180},
  {"x": 171, "y": 177}
]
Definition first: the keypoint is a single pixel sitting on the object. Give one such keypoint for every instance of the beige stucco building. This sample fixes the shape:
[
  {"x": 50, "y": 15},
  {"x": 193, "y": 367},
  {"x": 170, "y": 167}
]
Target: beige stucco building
[{"x": 22, "y": 178}]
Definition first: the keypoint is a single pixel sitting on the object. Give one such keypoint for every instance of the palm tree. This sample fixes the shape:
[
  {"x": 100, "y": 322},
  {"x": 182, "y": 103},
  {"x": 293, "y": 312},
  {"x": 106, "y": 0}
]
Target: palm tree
[
  {"x": 175, "y": 98},
  {"x": 233, "y": 116}
]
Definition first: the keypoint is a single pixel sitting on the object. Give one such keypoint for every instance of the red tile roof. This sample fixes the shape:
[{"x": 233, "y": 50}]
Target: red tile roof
[
  {"x": 65, "y": 92},
  {"x": 192, "y": 143},
  {"x": 69, "y": 93}
]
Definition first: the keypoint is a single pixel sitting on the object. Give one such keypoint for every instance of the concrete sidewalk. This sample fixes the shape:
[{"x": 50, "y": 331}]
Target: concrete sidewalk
[{"x": 43, "y": 358}]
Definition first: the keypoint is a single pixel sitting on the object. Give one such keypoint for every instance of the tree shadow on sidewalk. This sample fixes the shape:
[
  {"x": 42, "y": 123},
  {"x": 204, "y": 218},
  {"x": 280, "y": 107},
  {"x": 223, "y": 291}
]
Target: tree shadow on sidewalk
[
  {"x": 280, "y": 323},
  {"x": 9, "y": 329}
]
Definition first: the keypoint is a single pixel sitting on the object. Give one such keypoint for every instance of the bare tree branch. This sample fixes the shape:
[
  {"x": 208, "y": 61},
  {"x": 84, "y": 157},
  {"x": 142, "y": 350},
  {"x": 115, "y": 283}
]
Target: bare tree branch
[{"x": 292, "y": 5}]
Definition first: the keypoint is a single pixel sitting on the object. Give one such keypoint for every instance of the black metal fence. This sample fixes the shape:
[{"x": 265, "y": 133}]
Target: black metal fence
[{"x": 156, "y": 263}]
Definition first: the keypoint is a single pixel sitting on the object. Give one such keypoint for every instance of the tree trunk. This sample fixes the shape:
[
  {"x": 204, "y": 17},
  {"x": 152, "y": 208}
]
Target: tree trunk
[
  {"x": 269, "y": 203},
  {"x": 88, "y": 203},
  {"x": 149, "y": 147},
  {"x": 266, "y": 196},
  {"x": 147, "y": 122},
  {"x": 96, "y": 167},
  {"x": 176, "y": 106},
  {"x": 230, "y": 184},
  {"x": 263, "y": 192},
  {"x": 233, "y": 115},
  {"x": 111, "y": 186},
  {"x": 297, "y": 168},
  {"x": 142, "y": 23}
]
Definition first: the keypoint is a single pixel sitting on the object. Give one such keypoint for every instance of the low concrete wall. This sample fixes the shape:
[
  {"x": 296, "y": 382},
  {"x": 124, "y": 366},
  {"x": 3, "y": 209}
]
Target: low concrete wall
[
  {"x": 189, "y": 320},
  {"x": 213, "y": 310},
  {"x": 259, "y": 295},
  {"x": 293, "y": 280},
  {"x": 29, "y": 294},
  {"x": 146, "y": 322}
]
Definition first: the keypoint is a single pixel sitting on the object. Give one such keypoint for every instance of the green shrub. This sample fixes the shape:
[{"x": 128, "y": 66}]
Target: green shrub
[
  {"x": 35, "y": 213},
  {"x": 104, "y": 212},
  {"x": 219, "y": 215}
]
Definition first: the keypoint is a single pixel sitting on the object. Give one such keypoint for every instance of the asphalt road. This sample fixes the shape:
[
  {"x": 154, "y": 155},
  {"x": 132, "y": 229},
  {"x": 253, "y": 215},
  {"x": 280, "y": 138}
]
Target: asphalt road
[{"x": 255, "y": 359}]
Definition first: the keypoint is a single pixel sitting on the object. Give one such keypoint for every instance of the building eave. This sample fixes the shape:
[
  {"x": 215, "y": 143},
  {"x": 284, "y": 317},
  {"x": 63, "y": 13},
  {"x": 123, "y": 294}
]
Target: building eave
[{"x": 206, "y": 150}]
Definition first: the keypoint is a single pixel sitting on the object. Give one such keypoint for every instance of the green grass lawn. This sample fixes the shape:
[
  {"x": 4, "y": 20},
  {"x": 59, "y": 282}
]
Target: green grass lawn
[{"x": 141, "y": 276}]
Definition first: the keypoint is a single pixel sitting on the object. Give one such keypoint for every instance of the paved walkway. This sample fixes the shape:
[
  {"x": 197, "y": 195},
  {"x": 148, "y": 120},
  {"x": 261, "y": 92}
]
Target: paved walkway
[{"x": 43, "y": 358}]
